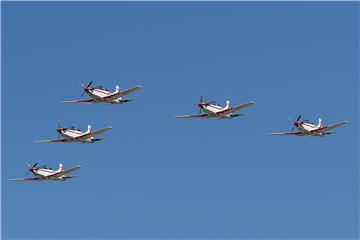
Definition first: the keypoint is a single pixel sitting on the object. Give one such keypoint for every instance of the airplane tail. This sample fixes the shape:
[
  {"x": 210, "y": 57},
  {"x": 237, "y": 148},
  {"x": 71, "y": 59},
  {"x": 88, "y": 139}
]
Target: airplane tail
[
  {"x": 228, "y": 104},
  {"x": 61, "y": 168},
  {"x": 320, "y": 123},
  {"x": 89, "y": 129},
  {"x": 117, "y": 89}
]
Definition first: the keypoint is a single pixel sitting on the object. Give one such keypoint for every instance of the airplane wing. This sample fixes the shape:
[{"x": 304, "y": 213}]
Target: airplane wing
[
  {"x": 288, "y": 134},
  {"x": 89, "y": 101},
  {"x": 92, "y": 134},
  {"x": 123, "y": 93},
  {"x": 194, "y": 116},
  {"x": 59, "y": 174},
  {"x": 332, "y": 126},
  {"x": 54, "y": 141},
  {"x": 26, "y": 179},
  {"x": 236, "y": 108}
]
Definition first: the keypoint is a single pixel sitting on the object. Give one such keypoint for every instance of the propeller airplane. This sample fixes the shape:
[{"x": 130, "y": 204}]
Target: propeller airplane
[
  {"x": 73, "y": 134},
  {"x": 102, "y": 95},
  {"x": 47, "y": 173},
  {"x": 214, "y": 110},
  {"x": 306, "y": 128}
]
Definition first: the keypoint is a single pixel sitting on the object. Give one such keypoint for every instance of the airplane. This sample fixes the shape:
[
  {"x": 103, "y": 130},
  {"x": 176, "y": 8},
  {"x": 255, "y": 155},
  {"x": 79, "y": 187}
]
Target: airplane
[
  {"x": 214, "y": 110},
  {"x": 46, "y": 173},
  {"x": 307, "y": 128},
  {"x": 102, "y": 95},
  {"x": 73, "y": 134}
]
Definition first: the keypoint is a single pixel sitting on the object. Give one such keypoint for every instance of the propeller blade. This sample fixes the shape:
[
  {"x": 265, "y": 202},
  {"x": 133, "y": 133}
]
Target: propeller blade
[
  {"x": 58, "y": 126},
  {"x": 295, "y": 123},
  {"x": 89, "y": 84},
  {"x": 85, "y": 87},
  {"x": 31, "y": 167}
]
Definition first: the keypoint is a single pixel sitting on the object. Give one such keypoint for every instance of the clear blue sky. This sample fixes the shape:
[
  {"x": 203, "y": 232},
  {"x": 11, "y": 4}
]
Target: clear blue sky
[{"x": 161, "y": 177}]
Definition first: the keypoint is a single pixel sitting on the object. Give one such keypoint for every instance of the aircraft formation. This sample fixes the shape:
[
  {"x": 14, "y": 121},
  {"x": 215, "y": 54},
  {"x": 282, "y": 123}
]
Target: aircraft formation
[{"x": 102, "y": 95}]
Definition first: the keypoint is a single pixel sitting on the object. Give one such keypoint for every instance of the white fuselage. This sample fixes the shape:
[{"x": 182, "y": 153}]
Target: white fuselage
[
  {"x": 103, "y": 95},
  {"x": 214, "y": 110},
  {"x": 74, "y": 134},
  {"x": 46, "y": 174},
  {"x": 309, "y": 128}
]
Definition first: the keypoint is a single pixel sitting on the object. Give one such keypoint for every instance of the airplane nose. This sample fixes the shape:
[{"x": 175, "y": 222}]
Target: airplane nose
[
  {"x": 296, "y": 123},
  {"x": 86, "y": 89},
  {"x": 58, "y": 130}
]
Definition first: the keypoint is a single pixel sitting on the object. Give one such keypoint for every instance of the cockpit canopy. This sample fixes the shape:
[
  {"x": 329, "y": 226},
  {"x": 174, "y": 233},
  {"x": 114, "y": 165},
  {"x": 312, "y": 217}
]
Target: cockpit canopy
[
  {"x": 308, "y": 121},
  {"x": 213, "y": 103},
  {"x": 102, "y": 88},
  {"x": 73, "y": 128},
  {"x": 46, "y": 167}
]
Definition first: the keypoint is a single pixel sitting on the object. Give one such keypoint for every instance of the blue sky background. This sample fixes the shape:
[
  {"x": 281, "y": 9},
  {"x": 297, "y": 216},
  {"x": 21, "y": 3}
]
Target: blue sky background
[{"x": 161, "y": 177}]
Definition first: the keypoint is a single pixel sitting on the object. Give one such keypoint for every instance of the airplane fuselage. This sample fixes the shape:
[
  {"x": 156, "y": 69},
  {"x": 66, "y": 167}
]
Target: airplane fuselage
[
  {"x": 73, "y": 134},
  {"x": 45, "y": 174},
  {"x": 103, "y": 95},
  {"x": 309, "y": 128},
  {"x": 215, "y": 111}
]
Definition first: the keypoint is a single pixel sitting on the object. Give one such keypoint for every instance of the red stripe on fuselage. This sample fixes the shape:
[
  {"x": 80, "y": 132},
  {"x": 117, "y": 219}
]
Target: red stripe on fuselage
[{"x": 76, "y": 132}]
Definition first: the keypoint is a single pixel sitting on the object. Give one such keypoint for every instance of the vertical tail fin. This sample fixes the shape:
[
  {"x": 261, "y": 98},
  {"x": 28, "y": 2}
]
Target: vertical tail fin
[
  {"x": 89, "y": 129},
  {"x": 320, "y": 123},
  {"x": 117, "y": 89},
  {"x": 228, "y": 104},
  {"x": 61, "y": 168}
]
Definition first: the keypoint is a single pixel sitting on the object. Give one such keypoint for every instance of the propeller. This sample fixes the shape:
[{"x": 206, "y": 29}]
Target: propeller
[
  {"x": 296, "y": 122},
  {"x": 58, "y": 129},
  {"x": 200, "y": 103},
  {"x": 31, "y": 167},
  {"x": 86, "y": 88}
]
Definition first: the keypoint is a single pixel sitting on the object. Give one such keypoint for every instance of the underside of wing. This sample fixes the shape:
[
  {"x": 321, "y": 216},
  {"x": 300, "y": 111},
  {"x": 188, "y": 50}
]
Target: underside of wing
[
  {"x": 288, "y": 134},
  {"x": 193, "y": 116},
  {"x": 237, "y": 108},
  {"x": 123, "y": 93},
  {"x": 89, "y": 101},
  {"x": 332, "y": 126},
  {"x": 92, "y": 134},
  {"x": 59, "y": 174},
  {"x": 54, "y": 141},
  {"x": 27, "y": 179}
]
